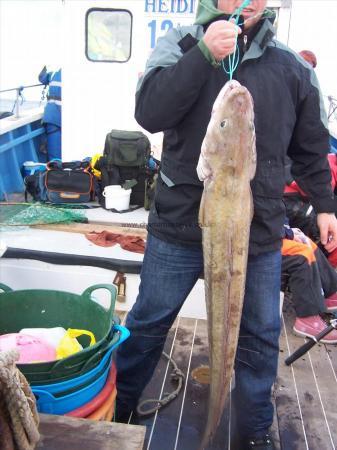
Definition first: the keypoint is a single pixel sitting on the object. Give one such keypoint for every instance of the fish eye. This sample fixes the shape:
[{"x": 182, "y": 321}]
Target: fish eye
[{"x": 223, "y": 123}]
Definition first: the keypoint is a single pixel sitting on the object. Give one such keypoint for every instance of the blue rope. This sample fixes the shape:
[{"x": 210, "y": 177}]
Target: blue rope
[{"x": 233, "y": 60}]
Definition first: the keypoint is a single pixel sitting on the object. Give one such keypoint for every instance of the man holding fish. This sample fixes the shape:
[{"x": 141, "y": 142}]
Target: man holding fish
[{"x": 225, "y": 91}]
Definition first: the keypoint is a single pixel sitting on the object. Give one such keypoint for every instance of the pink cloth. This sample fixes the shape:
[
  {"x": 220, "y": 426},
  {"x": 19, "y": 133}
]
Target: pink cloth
[
  {"x": 107, "y": 239},
  {"x": 31, "y": 349}
]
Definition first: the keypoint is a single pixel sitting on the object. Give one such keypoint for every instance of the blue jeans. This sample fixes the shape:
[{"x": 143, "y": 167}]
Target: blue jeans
[{"x": 168, "y": 274}]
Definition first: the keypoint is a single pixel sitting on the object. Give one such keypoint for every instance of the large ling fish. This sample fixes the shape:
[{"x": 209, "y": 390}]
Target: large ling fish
[{"x": 226, "y": 165}]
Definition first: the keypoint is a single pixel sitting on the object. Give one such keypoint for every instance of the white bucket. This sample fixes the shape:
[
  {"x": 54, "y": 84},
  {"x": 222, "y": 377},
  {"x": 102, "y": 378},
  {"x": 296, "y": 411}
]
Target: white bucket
[{"x": 116, "y": 197}]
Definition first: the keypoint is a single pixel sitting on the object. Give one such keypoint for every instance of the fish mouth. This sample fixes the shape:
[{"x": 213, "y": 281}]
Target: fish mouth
[
  {"x": 225, "y": 92},
  {"x": 238, "y": 96}
]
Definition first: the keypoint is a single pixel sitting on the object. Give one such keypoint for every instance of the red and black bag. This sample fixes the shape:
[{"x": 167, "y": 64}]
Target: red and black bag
[
  {"x": 69, "y": 182},
  {"x": 62, "y": 182}
]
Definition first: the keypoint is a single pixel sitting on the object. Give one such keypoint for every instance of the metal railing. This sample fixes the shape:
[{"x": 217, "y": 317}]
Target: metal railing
[
  {"x": 19, "y": 96},
  {"x": 332, "y": 112}
]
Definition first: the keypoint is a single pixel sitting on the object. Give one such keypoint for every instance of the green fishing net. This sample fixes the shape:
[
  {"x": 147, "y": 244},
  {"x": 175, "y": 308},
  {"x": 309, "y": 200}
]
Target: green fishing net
[{"x": 38, "y": 214}]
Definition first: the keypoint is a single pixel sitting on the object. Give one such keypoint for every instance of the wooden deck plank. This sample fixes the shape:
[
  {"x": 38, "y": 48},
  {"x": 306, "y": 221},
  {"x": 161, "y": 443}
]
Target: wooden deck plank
[
  {"x": 168, "y": 419},
  {"x": 274, "y": 429},
  {"x": 325, "y": 382},
  {"x": 68, "y": 433},
  {"x": 196, "y": 401},
  {"x": 326, "y": 385},
  {"x": 153, "y": 389},
  {"x": 332, "y": 354},
  {"x": 288, "y": 412},
  {"x": 196, "y": 398},
  {"x": 314, "y": 422}
]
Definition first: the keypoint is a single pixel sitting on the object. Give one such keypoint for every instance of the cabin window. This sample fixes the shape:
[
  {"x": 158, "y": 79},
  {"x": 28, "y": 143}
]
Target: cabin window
[{"x": 108, "y": 35}]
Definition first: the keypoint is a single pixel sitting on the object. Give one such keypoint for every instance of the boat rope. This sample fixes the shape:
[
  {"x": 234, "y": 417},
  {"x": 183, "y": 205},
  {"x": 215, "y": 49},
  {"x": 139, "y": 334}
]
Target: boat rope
[
  {"x": 18, "y": 414},
  {"x": 176, "y": 376}
]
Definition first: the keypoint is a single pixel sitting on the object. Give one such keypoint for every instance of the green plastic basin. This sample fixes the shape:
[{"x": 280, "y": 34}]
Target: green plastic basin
[{"x": 35, "y": 308}]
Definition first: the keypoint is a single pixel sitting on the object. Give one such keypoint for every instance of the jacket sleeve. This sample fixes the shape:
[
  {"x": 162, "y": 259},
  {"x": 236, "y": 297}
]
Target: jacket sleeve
[
  {"x": 170, "y": 85},
  {"x": 309, "y": 148}
]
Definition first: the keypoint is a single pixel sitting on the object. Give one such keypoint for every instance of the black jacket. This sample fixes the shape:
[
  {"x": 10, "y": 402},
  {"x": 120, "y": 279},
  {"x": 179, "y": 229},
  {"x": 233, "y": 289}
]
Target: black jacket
[{"x": 176, "y": 96}]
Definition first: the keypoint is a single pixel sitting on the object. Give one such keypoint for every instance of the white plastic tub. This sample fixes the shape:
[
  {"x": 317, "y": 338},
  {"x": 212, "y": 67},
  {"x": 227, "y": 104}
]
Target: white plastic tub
[{"x": 116, "y": 197}]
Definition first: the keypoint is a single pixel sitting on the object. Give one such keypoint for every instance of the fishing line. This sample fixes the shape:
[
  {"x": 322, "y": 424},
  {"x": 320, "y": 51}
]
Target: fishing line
[{"x": 234, "y": 58}]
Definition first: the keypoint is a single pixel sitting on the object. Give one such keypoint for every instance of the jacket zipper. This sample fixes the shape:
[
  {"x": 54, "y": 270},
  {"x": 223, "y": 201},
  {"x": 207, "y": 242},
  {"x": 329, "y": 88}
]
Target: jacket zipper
[{"x": 245, "y": 40}]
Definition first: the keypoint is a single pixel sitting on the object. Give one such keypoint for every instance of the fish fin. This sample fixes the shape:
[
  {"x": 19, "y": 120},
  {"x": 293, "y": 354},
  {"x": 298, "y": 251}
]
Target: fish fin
[
  {"x": 253, "y": 159},
  {"x": 202, "y": 211},
  {"x": 204, "y": 170}
]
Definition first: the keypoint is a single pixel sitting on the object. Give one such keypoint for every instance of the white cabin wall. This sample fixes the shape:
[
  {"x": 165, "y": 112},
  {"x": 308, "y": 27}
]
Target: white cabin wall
[
  {"x": 313, "y": 27},
  {"x": 100, "y": 96}
]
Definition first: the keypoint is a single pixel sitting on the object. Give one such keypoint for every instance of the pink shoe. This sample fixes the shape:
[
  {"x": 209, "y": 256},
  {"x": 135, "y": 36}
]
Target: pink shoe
[
  {"x": 311, "y": 326},
  {"x": 331, "y": 302}
]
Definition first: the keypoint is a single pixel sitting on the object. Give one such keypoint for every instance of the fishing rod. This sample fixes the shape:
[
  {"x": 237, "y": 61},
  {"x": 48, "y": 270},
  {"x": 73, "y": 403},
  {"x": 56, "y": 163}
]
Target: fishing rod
[{"x": 311, "y": 342}]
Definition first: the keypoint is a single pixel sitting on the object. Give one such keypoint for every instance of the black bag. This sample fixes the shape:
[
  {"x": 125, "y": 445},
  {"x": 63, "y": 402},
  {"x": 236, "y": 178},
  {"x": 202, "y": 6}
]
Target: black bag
[
  {"x": 125, "y": 159},
  {"x": 301, "y": 214},
  {"x": 126, "y": 149},
  {"x": 62, "y": 183}
]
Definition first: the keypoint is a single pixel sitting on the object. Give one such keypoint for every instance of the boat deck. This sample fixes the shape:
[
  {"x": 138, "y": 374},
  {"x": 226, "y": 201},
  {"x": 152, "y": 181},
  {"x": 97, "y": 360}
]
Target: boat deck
[{"x": 304, "y": 395}]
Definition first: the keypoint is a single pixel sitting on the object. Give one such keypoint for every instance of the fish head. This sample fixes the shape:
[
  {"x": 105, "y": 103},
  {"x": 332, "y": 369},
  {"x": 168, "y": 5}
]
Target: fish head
[
  {"x": 233, "y": 103},
  {"x": 230, "y": 136}
]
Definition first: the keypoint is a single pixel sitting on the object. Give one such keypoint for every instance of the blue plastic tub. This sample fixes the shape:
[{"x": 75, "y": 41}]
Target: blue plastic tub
[
  {"x": 56, "y": 388},
  {"x": 48, "y": 402}
]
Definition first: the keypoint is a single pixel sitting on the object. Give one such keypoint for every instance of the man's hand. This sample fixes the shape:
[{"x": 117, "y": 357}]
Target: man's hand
[
  {"x": 327, "y": 224},
  {"x": 220, "y": 38}
]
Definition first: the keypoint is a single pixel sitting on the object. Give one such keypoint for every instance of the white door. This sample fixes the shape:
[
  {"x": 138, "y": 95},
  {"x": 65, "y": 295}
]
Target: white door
[{"x": 107, "y": 43}]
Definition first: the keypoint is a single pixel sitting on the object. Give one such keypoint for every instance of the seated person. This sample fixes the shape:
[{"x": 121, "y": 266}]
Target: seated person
[
  {"x": 300, "y": 212},
  {"x": 312, "y": 282}
]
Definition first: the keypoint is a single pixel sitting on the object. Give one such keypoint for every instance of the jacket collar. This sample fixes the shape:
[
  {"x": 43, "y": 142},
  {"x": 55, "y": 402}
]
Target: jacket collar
[{"x": 260, "y": 41}]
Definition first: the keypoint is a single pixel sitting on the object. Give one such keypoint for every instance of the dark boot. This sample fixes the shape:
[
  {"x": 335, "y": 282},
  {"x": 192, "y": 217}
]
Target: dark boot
[
  {"x": 261, "y": 443},
  {"x": 125, "y": 414}
]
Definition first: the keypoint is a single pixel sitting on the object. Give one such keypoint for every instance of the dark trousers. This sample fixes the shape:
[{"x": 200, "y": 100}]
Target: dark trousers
[{"x": 311, "y": 278}]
